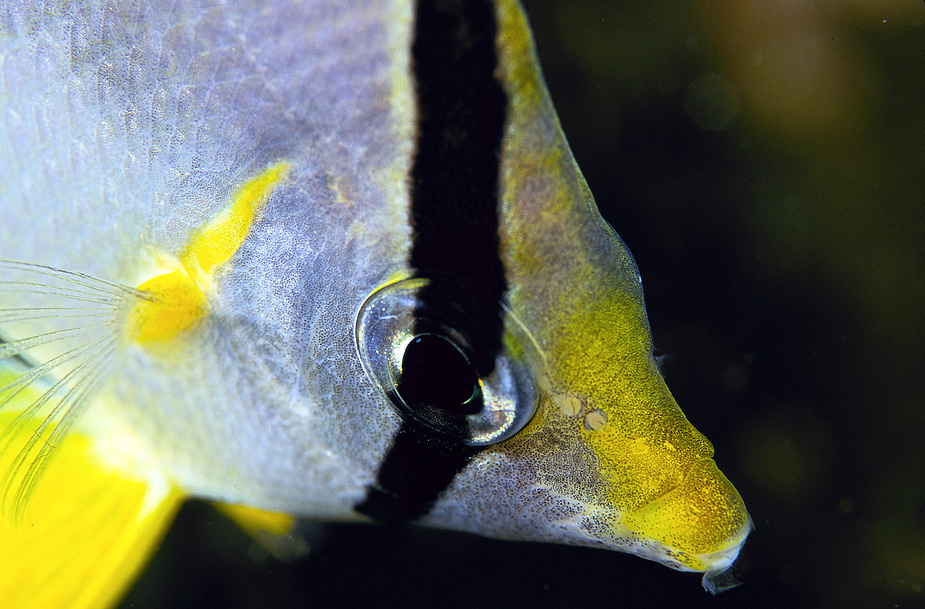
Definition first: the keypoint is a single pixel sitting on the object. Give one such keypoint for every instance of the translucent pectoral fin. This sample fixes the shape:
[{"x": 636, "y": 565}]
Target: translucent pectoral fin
[
  {"x": 282, "y": 535},
  {"x": 86, "y": 532}
]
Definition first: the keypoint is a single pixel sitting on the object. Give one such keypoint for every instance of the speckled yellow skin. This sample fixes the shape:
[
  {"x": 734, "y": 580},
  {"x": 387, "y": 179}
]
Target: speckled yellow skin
[{"x": 658, "y": 482}]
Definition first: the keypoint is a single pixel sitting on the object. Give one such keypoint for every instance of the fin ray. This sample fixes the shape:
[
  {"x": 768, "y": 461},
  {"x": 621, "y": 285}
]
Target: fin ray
[
  {"x": 74, "y": 277},
  {"x": 59, "y": 331},
  {"x": 56, "y": 423}
]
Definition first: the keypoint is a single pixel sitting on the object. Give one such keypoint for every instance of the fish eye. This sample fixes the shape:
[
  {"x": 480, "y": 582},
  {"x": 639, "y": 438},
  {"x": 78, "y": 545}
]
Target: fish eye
[
  {"x": 434, "y": 372},
  {"x": 428, "y": 355}
]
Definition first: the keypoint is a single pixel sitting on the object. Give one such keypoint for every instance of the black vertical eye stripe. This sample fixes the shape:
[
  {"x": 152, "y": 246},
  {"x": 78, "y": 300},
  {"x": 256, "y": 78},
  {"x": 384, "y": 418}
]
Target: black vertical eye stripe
[
  {"x": 454, "y": 179},
  {"x": 462, "y": 109}
]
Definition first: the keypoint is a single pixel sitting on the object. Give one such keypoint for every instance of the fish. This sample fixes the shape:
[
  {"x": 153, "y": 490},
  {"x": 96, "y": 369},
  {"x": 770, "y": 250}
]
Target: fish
[{"x": 316, "y": 260}]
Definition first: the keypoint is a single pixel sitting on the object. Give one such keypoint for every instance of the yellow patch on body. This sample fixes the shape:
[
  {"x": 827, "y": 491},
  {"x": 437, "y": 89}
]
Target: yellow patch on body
[{"x": 177, "y": 300}]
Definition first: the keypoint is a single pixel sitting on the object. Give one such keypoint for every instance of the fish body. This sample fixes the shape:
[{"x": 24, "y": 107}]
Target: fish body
[{"x": 326, "y": 259}]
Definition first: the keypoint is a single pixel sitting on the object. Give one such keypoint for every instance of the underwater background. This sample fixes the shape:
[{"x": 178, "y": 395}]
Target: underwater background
[{"x": 764, "y": 160}]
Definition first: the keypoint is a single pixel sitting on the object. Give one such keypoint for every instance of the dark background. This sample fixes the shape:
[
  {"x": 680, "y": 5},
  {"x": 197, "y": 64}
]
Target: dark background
[{"x": 765, "y": 163}]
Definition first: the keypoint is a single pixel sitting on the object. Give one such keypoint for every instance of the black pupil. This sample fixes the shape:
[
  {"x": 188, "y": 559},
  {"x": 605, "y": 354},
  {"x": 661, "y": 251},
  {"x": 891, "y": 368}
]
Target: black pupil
[{"x": 436, "y": 374}]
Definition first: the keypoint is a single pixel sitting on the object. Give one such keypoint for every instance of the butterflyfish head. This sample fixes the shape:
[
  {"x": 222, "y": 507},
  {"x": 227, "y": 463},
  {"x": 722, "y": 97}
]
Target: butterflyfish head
[
  {"x": 542, "y": 402},
  {"x": 568, "y": 434}
]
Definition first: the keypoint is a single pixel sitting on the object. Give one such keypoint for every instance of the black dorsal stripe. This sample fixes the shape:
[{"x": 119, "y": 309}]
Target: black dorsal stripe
[{"x": 454, "y": 213}]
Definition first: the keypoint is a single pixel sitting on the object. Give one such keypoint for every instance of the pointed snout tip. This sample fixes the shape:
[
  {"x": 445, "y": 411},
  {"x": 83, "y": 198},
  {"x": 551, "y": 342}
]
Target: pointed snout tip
[{"x": 724, "y": 568}]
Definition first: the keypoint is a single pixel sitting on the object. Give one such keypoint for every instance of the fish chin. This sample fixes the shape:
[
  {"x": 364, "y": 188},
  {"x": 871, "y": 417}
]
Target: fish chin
[{"x": 595, "y": 527}]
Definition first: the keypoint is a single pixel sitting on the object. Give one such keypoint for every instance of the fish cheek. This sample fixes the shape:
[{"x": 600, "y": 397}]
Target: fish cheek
[{"x": 552, "y": 454}]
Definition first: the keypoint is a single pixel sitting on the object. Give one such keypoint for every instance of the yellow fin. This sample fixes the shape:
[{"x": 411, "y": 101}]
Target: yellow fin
[
  {"x": 86, "y": 534},
  {"x": 274, "y": 531}
]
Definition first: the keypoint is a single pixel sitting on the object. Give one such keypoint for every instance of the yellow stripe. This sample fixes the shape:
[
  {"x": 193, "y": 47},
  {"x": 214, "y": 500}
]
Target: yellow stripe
[
  {"x": 176, "y": 301},
  {"x": 219, "y": 240}
]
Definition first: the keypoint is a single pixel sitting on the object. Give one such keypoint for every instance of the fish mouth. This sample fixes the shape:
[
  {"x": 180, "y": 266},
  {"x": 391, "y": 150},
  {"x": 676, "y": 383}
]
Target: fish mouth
[
  {"x": 724, "y": 568},
  {"x": 701, "y": 523}
]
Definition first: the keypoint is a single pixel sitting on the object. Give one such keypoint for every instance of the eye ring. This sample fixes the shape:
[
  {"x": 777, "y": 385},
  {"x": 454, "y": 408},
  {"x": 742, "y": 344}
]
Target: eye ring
[{"x": 425, "y": 356}]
